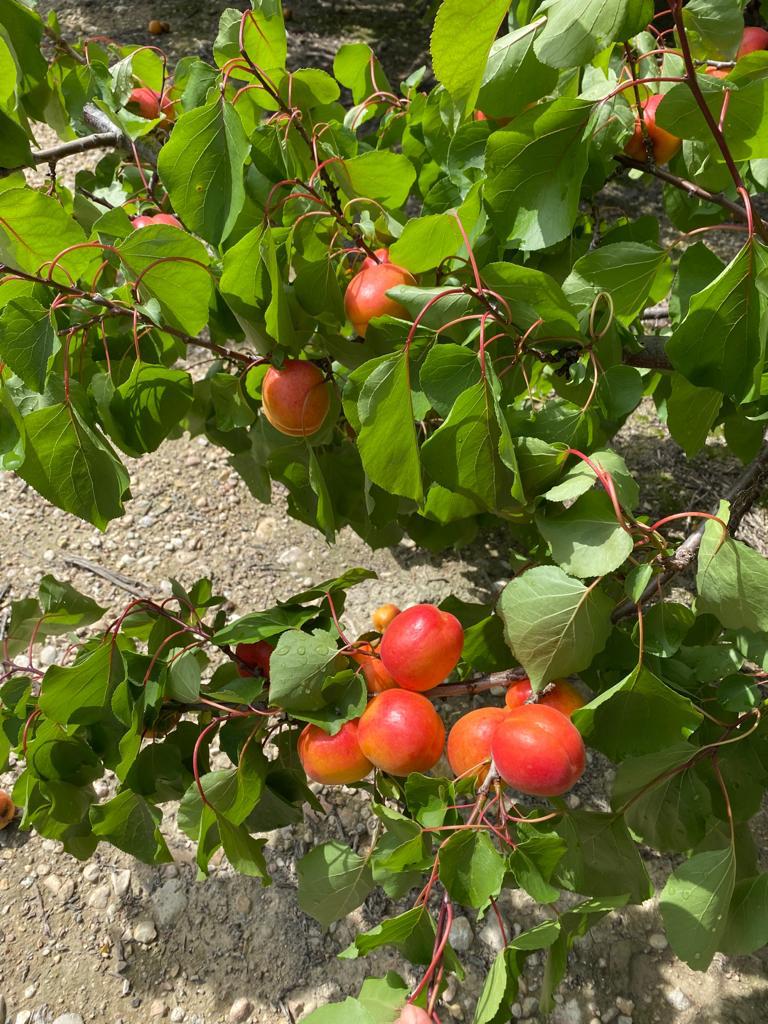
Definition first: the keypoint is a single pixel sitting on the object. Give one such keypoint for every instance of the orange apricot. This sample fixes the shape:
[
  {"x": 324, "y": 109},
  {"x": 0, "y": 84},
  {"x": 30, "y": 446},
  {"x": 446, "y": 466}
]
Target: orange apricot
[
  {"x": 366, "y": 296},
  {"x": 538, "y": 751},
  {"x": 469, "y": 741},
  {"x": 400, "y": 732},
  {"x": 664, "y": 144},
  {"x": 377, "y": 679},
  {"x": 333, "y": 760},
  {"x": 383, "y": 616},
  {"x": 7, "y": 810},
  {"x": 295, "y": 398},
  {"x": 564, "y": 698},
  {"x": 256, "y": 656},
  {"x": 421, "y": 646}
]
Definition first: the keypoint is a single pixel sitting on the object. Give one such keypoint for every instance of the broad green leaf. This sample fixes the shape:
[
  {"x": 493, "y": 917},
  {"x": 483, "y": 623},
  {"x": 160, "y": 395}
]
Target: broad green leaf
[
  {"x": 460, "y": 46},
  {"x": 573, "y": 36},
  {"x": 333, "y": 880},
  {"x": 131, "y": 824},
  {"x": 586, "y": 539},
  {"x": 264, "y": 36},
  {"x": 534, "y": 295},
  {"x": 61, "y": 609},
  {"x": 694, "y": 905},
  {"x": 632, "y": 274},
  {"x": 378, "y": 174},
  {"x": 746, "y": 929},
  {"x": 264, "y": 625},
  {"x": 411, "y": 932},
  {"x": 351, "y": 1011},
  {"x": 298, "y": 668},
  {"x": 383, "y": 997},
  {"x": 446, "y": 373},
  {"x": 28, "y": 339},
  {"x": 34, "y": 229},
  {"x": 335, "y": 586},
  {"x": 149, "y": 405},
  {"x": 387, "y": 438},
  {"x": 72, "y": 466},
  {"x": 639, "y": 715},
  {"x": 514, "y": 76},
  {"x": 554, "y": 625},
  {"x": 471, "y": 868},
  {"x": 581, "y": 477},
  {"x": 244, "y": 852},
  {"x": 202, "y": 168},
  {"x": 714, "y": 27},
  {"x": 732, "y": 580},
  {"x": 81, "y": 692},
  {"x": 601, "y": 859},
  {"x": 691, "y": 412},
  {"x": 499, "y": 991},
  {"x": 721, "y": 342},
  {"x": 535, "y": 168},
  {"x": 665, "y": 624},
  {"x": 426, "y": 242}
]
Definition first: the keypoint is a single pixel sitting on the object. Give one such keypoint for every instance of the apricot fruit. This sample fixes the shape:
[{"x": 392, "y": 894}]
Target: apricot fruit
[
  {"x": 333, "y": 760},
  {"x": 145, "y": 219},
  {"x": 382, "y": 616},
  {"x": 295, "y": 398},
  {"x": 753, "y": 38},
  {"x": 377, "y": 679},
  {"x": 665, "y": 145},
  {"x": 538, "y": 751},
  {"x": 7, "y": 810},
  {"x": 148, "y": 103},
  {"x": 469, "y": 741},
  {"x": 400, "y": 732},
  {"x": 256, "y": 656},
  {"x": 413, "y": 1015},
  {"x": 366, "y": 295},
  {"x": 421, "y": 646},
  {"x": 564, "y": 698},
  {"x": 382, "y": 256}
]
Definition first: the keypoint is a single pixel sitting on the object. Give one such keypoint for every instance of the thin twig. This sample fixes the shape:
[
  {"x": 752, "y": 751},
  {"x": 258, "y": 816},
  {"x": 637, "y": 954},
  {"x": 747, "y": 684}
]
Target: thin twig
[{"x": 117, "y": 579}]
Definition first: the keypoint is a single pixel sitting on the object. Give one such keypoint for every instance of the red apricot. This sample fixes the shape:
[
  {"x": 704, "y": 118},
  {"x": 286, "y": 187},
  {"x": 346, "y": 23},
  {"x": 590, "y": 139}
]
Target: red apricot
[
  {"x": 295, "y": 398},
  {"x": 7, "y": 810},
  {"x": 333, "y": 760},
  {"x": 413, "y": 1015},
  {"x": 480, "y": 115},
  {"x": 564, "y": 698},
  {"x": 421, "y": 646},
  {"x": 150, "y": 104},
  {"x": 665, "y": 145},
  {"x": 537, "y": 750},
  {"x": 145, "y": 219},
  {"x": 753, "y": 38},
  {"x": 377, "y": 679},
  {"x": 366, "y": 295},
  {"x": 383, "y": 616},
  {"x": 400, "y": 732},
  {"x": 382, "y": 256},
  {"x": 469, "y": 741},
  {"x": 717, "y": 72},
  {"x": 256, "y": 656}
]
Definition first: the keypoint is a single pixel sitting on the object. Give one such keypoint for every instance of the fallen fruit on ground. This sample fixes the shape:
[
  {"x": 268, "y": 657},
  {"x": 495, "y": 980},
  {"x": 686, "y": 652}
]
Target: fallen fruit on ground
[
  {"x": 564, "y": 698},
  {"x": 366, "y": 295},
  {"x": 382, "y": 616},
  {"x": 470, "y": 738},
  {"x": 295, "y": 398},
  {"x": 422, "y": 646},
  {"x": 256, "y": 656},
  {"x": 333, "y": 760},
  {"x": 7, "y": 809},
  {"x": 538, "y": 751},
  {"x": 665, "y": 145},
  {"x": 400, "y": 732}
]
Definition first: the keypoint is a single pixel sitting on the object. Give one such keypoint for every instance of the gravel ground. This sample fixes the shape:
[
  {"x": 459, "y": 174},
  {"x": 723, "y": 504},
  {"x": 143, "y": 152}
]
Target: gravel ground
[{"x": 116, "y": 941}]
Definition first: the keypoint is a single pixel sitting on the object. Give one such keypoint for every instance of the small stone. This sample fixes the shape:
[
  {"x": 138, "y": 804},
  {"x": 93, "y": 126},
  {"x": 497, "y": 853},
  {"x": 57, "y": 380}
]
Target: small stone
[
  {"x": 595, "y": 1020},
  {"x": 53, "y": 884},
  {"x": 240, "y": 1010},
  {"x": 69, "y": 1018},
  {"x": 291, "y": 556},
  {"x": 91, "y": 872},
  {"x": 177, "y": 1015},
  {"x": 456, "y": 1011},
  {"x": 530, "y": 1005},
  {"x": 121, "y": 882},
  {"x": 157, "y": 1008},
  {"x": 242, "y": 903},
  {"x": 568, "y": 1013},
  {"x": 461, "y": 937},
  {"x": 516, "y": 1010},
  {"x": 491, "y": 935},
  {"x": 677, "y": 999},
  {"x": 266, "y": 528},
  {"x": 23, "y": 1017},
  {"x": 608, "y": 1015},
  {"x": 29, "y": 991},
  {"x": 144, "y": 931},
  {"x": 625, "y": 1006},
  {"x": 169, "y": 902},
  {"x": 67, "y": 890},
  {"x": 624, "y": 1019},
  {"x": 48, "y": 655},
  {"x": 658, "y": 941},
  {"x": 99, "y": 898}
]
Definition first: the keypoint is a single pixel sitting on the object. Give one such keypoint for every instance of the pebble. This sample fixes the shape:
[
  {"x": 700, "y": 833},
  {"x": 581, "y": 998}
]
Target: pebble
[
  {"x": 157, "y": 1008},
  {"x": 121, "y": 882},
  {"x": 568, "y": 1013},
  {"x": 29, "y": 991},
  {"x": 99, "y": 898},
  {"x": 23, "y": 1017},
  {"x": 624, "y": 1019},
  {"x": 266, "y": 528},
  {"x": 608, "y": 1015},
  {"x": 491, "y": 935},
  {"x": 69, "y": 1018},
  {"x": 658, "y": 941},
  {"x": 144, "y": 931},
  {"x": 53, "y": 884},
  {"x": 240, "y": 1010},
  {"x": 626, "y": 1006},
  {"x": 677, "y": 998},
  {"x": 516, "y": 1010},
  {"x": 530, "y": 1005},
  {"x": 67, "y": 890},
  {"x": 91, "y": 872},
  {"x": 461, "y": 937},
  {"x": 48, "y": 655},
  {"x": 169, "y": 902},
  {"x": 177, "y": 1015}
]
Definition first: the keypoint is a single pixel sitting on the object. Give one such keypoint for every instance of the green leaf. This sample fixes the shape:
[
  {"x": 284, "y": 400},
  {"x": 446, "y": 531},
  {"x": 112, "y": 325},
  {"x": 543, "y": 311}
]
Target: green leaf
[
  {"x": 446, "y": 373},
  {"x": 460, "y": 47},
  {"x": 201, "y": 166},
  {"x": 387, "y": 438},
  {"x": 499, "y": 991},
  {"x": 532, "y": 296},
  {"x": 665, "y": 625},
  {"x": 263, "y": 625},
  {"x": 72, "y": 466},
  {"x": 574, "y": 36},
  {"x": 639, "y": 715},
  {"x": 581, "y": 477},
  {"x": 721, "y": 342},
  {"x": 514, "y": 76},
  {"x": 732, "y": 580},
  {"x": 61, "y": 609},
  {"x": 601, "y": 858},
  {"x": 172, "y": 267},
  {"x": 630, "y": 272},
  {"x": 746, "y": 929},
  {"x": 149, "y": 405},
  {"x": 264, "y": 36},
  {"x": 298, "y": 668},
  {"x": 714, "y": 27},
  {"x": 586, "y": 539},
  {"x": 471, "y": 868},
  {"x": 131, "y": 824},
  {"x": 28, "y": 339},
  {"x": 691, "y": 412},
  {"x": 535, "y": 168},
  {"x": 244, "y": 853},
  {"x": 351, "y": 1011},
  {"x": 694, "y": 905},
  {"x": 82, "y": 692},
  {"x": 426, "y": 242},
  {"x": 34, "y": 229},
  {"x": 383, "y": 997},
  {"x": 412, "y": 933},
  {"x": 333, "y": 880},
  {"x": 378, "y": 174},
  {"x": 554, "y": 625}
]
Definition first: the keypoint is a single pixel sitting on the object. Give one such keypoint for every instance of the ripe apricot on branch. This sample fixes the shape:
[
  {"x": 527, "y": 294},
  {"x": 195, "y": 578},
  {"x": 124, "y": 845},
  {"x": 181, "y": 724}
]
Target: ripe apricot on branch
[
  {"x": 665, "y": 145},
  {"x": 422, "y": 646},
  {"x": 256, "y": 656},
  {"x": 400, "y": 732},
  {"x": 383, "y": 616},
  {"x": 333, "y": 760},
  {"x": 538, "y": 751},
  {"x": 7, "y": 810},
  {"x": 295, "y": 398},
  {"x": 366, "y": 295},
  {"x": 150, "y": 104},
  {"x": 753, "y": 38},
  {"x": 413, "y": 1015},
  {"x": 377, "y": 679},
  {"x": 564, "y": 698},
  {"x": 469, "y": 741},
  {"x": 145, "y": 219}
]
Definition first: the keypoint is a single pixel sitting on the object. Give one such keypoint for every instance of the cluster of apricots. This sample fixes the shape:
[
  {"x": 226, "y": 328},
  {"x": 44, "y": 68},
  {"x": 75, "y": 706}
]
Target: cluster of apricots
[{"x": 535, "y": 747}]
